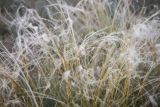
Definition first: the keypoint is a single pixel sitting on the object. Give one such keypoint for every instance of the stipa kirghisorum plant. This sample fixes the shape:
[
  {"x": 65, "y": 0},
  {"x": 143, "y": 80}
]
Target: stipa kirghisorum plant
[{"x": 94, "y": 53}]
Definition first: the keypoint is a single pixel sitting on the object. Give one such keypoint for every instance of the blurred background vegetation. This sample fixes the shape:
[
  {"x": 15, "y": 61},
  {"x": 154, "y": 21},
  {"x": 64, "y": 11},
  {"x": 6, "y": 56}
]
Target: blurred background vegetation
[{"x": 8, "y": 9}]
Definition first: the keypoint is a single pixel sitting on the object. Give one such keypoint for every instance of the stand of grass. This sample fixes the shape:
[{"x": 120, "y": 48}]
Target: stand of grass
[{"x": 94, "y": 54}]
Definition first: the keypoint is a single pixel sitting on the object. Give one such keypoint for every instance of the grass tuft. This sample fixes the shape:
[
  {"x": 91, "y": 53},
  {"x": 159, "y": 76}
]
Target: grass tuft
[{"x": 94, "y": 54}]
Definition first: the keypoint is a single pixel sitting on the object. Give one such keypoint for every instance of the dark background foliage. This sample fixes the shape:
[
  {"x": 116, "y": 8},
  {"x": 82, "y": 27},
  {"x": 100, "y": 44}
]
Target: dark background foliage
[{"x": 148, "y": 7}]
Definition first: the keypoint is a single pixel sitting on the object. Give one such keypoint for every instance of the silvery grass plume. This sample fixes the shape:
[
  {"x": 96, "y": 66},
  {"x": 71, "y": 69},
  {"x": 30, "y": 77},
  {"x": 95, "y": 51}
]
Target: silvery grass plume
[{"x": 95, "y": 53}]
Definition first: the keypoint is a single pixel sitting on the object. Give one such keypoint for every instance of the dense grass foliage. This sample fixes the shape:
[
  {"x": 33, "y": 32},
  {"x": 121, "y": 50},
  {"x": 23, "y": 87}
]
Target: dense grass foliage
[{"x": 96, "y": 53}]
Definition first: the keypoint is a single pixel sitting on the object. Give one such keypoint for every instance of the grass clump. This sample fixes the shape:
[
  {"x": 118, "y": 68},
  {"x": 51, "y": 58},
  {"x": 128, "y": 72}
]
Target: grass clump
[{"x": 97, "y": 53}]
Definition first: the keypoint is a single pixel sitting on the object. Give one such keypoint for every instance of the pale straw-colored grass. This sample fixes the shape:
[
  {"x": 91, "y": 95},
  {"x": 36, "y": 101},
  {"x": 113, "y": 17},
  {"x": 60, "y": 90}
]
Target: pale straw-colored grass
[{"x": 96, "y": 54}]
